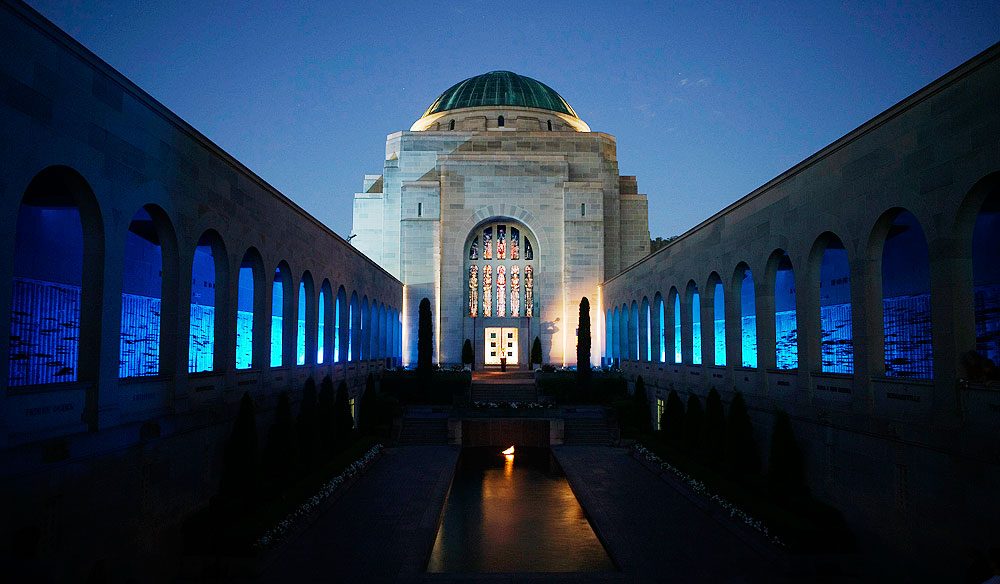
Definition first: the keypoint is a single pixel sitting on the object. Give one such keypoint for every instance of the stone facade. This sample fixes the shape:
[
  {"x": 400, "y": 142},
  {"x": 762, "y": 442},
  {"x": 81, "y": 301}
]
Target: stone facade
[
  {"x": 912, "y": 461},
  {"x": 439, "y": 186}
]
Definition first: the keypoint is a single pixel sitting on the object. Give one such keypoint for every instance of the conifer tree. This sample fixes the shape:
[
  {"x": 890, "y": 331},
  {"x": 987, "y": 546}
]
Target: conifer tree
[
  {"x": 672, "y": 422},
  {"x": 583, "y": 342},
  {"x": 785, "y": 466},
  {"x": 715, "y": 429},
  {"x": 694, "y": 418},
  {"x": 239, "y": 471},
  {"x": 425, "y": 338},
  {"x": 641, "y": 402},
  {"x": 742, "y": 458}
]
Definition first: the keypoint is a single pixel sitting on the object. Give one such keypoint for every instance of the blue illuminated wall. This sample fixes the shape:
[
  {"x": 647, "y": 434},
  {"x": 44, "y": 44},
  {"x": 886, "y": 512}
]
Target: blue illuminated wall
[
  {"x": 277, "y": 304},
  {"x": 201, "y": 345},
  {"x": 836, "y": 340},
  {"x": 677, "y": 329},
  {"x": 748, "y": 320},
  {"x": 719, "y": 306},
  {"x": 244, "y": 317},
  {"x": 663, "y": 330},
  {"x": 300, "y": 334},
  {"x": 336, "y": 331},
  {"x": 986, "y": 278},
  {"x": 321, "y": 325},
  {"x": 786, "y": 348},
  {"x": 45, "y": 299},
  {"x": 696, "y": 328},
  {"x": 906, "y": 300},
  {"x": 141, "y": 289}
]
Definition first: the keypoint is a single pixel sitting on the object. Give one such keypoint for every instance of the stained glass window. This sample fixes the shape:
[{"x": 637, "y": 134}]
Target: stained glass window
[
  {"x": 474, "y": 249},
  {"x": 488, "y": 243},
  {"x": 501, "y": 245},
  {"x": 515, "y": 288},
  {"x": 487, "y": 290},
  {"x": 529, "y": 287},
  {"x": 474, "y": 290},
  {"x": 515, "y": 244},
  {"x": 528, "y": 254},
  {"x": 501, "y": 290}
]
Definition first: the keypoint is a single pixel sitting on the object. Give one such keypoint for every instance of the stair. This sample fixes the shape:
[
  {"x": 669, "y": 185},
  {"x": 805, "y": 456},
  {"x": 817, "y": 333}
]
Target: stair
[
  {"x": 424, "y": 431},
  {"x": 587, "y": 431},
  {"x": 509, "y": 386}
]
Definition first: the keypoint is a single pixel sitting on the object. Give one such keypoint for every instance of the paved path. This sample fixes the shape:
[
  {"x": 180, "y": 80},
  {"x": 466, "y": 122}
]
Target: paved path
[
  {"x": 382, "y": 529},
  {"x": 650, "y": 529}
]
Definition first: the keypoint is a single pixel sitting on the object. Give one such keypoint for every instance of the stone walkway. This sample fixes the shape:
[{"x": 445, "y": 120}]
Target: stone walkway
[
  {"x": 381, "y": 530},
  {"x": 651, "y": 530}
]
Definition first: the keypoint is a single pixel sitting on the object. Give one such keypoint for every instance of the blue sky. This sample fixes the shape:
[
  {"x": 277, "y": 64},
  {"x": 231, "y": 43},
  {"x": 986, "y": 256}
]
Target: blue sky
[{"x": 707, "y": 101}]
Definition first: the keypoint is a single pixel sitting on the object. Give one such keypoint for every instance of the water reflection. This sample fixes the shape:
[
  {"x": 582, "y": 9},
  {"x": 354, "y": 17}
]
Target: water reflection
[{"x": 508, "y": 513}]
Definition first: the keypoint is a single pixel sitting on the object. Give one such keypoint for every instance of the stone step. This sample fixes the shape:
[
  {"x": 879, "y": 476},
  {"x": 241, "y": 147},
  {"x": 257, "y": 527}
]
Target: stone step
[{"x": 424, "y": 431}]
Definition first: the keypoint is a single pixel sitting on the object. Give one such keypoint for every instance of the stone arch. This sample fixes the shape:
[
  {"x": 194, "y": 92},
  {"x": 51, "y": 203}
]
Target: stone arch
[
  {"x": 692, "y": 322},
  {"x": 209, "y": 303},
  {"x": 252, "y": 345},
  {"x": 659, "y": 343},
  {"x": 713, "y": 329},
  {"x": 366, "y": 330},
  {"x": 976, "y": 278},
  {"x": 354, "y": 318},
  {"x": 898, "y": 269},
  {"x": 633, "y": 332},
  {"x": 674, "y": 337},
  {"x": 306, "y": 308},
  {"x": 831, "y": 339},
  {"x": 324, "y": 321},
  {"x": 779, "y": 303},
  {"x": 645, "y": 353},
  {"x": 623, "y": 332},
  {"x": 150, "y": 279},
  {"x": 282, "y": 313},
  {"x": 742, "y": 288},
  {"x": 62, "y": 191},
  {"x": 341, "y": 325}
]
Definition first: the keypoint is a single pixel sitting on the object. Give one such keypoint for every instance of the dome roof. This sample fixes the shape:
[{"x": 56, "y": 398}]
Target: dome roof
[{"x": 500, "y": 88}]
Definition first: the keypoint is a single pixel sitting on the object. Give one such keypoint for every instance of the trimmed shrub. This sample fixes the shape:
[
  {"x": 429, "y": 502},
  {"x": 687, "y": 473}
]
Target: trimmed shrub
[
  {"x": 280, "y": 455},
  {"x": 239, "y": 469},
  {"x": 326, "y": 414},
  {"x": 785, "y": 465},
  {"x": 641, "y": 401},
  {"x": 536, "y": 352},
  {"x": 672, "y": 422},
  {"x": 343, "y": 423},
  {"x": 583, "y": 342},
  {"x": 741, "y": 450},
  {"x": 467, "y": 354},
  {"x": 694, "y": 420},
  {"x": 306, "y": 426},
  {"x": 714, "y": 441},
  {"x": 368, "y": 414},
  {"x": 425, "y": 338}
]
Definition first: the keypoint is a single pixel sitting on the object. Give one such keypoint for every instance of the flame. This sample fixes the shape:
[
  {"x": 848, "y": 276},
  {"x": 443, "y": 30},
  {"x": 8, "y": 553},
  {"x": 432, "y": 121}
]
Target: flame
[{"x": 509, "y": 451}]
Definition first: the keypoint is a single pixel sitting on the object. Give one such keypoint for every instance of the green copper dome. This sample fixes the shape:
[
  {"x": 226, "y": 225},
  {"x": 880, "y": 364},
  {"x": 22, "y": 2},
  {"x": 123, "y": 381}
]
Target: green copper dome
[{"x": 500, "y": 88}]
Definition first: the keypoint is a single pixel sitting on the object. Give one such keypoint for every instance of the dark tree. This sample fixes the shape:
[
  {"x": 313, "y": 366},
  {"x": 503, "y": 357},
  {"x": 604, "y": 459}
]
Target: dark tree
[
  {"x": 641, "y": 406},
  {"x": 785, "y": 466},
  {"x": 672, "y": 422},
  {"x": 307, "y": 429},
  {"x": 741, "y": 450},
  {"x": 343, "y": 424},
  {"x": 467, "y": 355},
  {"x": 425, "y": 338},
  {"x": 694, "y": 419},
  {"x": 326, "y": 414},
  {"x": 536, "y": 352},
  {"x": 369, "y": 404},
  {"x": 280, "y": 455},
  {"x": 239, "y": 470},
  {"x": 715, "y": 429},
  {"x": 583, "y": 342}
]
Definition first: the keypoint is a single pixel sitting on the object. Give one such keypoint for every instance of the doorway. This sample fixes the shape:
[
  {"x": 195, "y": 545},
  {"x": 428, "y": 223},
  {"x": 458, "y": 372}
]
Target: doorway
[{"x": 501, "y": 342}]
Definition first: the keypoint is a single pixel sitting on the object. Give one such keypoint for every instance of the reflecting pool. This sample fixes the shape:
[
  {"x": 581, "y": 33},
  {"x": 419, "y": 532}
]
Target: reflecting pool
[{"x": 514, "y": 514}]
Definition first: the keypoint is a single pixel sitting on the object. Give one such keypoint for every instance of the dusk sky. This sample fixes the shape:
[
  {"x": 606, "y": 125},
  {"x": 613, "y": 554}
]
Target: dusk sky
[{"x": 707, "y": 101}]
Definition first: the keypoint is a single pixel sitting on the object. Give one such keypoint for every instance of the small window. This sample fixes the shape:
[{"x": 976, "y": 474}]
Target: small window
[
  {"x": 550, "y": 125},
  {"x": 451, "y": 125},
  {"x": 420, "y": 209},
  {"x": 500, "y": 121},
  {"x": 583, "y": 209}
]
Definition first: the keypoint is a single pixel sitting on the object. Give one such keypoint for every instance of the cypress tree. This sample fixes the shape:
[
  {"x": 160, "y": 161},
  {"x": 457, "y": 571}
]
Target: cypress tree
[
  {"x": 343, "y": 423},
  {"x": 583, "y": 342},
  {"x": 536, "y": 352},
  {"x": 785, "y": 466},
  {"x": 326, "y": 414},
  {"x": 366, "y": 422},
  {"x": 694, "y": 419},
  {"x": 672, "y": 422},
  {"x": 741, "y": 450},
  {"x": 715, "y": 429},
  {"x": 467, "y": 355},
  {"x": 239, "y": 469},
  {"x": 425, "y": 338},
  {"x": 307, "y": 425},
  {"x": 281, "y": 451},
  {"x": 641, "y": 401}
]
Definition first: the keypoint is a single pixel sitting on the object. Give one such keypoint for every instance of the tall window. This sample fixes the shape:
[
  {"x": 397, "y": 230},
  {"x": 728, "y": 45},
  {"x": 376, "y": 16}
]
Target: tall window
[
  {"x": 678, "y": 357},
  {"x": 786, "y": 342},
  {"x": 245, "y": 310},
  {"x": 719, "y": 316},
  {"x": 201, "y": 343},
  {"x": 324, "y": 298},
  {"x": 836, "y": 339},
  {"x": 142, "y": 288},
  {"x": 500, "y": 121},
  {"x": 748, "y": 318},
  {"x": 300, "y": 328},
  {"x": 499, "y": 271},
  {"x": 906, "y": 299},
  {"x": 986, "y": 277},
  {"x": 277, "y": 314},
  {"x": 695, "y": 325}
]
